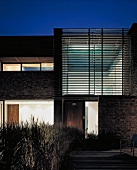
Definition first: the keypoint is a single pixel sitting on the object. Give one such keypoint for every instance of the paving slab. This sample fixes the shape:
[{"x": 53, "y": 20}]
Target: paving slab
[{"x": 105, "y": 160}]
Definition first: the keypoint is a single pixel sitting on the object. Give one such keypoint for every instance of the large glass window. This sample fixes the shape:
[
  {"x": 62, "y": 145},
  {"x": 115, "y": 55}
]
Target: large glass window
[
  {"x": 11, "y": 67},
  {"x": 30, "y": 67},
  {"x": 94, "y": 61},
  {"x": 1, "y": 113},
  {"x": 46, "y": 66},
  {"x": 41, "y": 111}
]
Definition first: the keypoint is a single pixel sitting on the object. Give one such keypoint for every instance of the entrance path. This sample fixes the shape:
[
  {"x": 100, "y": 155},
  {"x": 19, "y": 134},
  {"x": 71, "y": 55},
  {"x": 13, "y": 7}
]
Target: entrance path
[{"x": 101, "y": 160}]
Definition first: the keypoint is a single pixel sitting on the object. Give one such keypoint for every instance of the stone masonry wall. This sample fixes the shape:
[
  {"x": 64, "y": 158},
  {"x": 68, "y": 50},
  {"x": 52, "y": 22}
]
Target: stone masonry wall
[
  {"x": 26, "y": 85},
  {"x": 118, "y": 114}
]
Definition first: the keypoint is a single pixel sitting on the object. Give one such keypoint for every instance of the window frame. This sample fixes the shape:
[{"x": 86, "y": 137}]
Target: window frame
[{"x": 21, "y": 63}]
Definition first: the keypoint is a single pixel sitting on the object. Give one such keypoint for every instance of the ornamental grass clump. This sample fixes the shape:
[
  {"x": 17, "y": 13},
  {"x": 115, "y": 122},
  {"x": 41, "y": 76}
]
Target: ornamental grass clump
[
  {"x": 10, "y": 136},
  {"x": 37, "y": 146},
  {"x": 65, "y": 140}
]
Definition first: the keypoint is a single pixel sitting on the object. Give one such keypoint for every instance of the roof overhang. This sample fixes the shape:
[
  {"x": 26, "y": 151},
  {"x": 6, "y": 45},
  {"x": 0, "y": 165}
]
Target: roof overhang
[{"x": 26, "y": 59}]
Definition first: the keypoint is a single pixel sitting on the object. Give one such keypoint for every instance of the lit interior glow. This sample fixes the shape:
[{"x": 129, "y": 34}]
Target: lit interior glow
[
  {"x": 30, "y": 67},
  {"x": 91, "y": 117},
  {"x": 1, "y": 116},
  {"x": 47, "y": 66},
  {"x": 11, "y": 67},
  {"x": 95, "y": 61},
  {"x": 39, "y": 110}
]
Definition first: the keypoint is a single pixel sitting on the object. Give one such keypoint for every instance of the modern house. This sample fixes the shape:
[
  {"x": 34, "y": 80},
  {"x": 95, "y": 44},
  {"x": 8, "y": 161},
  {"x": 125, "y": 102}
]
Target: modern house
[{"x": 85, "y": 78}]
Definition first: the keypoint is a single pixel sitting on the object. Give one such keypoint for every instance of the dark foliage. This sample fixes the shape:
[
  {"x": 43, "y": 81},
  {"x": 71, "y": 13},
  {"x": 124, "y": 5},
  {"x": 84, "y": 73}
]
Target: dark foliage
[
  {"x": 37, "y": 146},
  {"x": 101, "y": 142}
]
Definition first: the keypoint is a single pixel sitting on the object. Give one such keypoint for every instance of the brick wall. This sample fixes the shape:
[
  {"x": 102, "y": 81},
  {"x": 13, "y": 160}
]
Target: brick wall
[
  {"x": 133, "y": 34},
  {"x": 118, "y": 114},
  {"x": 26, "y": 85}
]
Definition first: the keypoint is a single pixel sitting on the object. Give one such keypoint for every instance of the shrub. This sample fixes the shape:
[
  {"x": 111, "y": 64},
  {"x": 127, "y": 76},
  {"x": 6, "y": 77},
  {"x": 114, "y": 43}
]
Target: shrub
[
  {"x": 37, "y": 146},
  {"x": 10, "y": 135},
  {"x": 108, "y": 141},
  {"x": 101, "y": 142}
]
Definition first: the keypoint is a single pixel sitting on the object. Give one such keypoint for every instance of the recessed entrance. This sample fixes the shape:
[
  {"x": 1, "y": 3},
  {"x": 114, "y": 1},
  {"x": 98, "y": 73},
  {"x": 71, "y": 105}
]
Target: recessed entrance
[{"x": 91, "y": 117}]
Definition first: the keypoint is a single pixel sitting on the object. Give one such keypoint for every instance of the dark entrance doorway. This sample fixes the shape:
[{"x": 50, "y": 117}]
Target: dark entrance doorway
[{"x": 74, "y": 113}]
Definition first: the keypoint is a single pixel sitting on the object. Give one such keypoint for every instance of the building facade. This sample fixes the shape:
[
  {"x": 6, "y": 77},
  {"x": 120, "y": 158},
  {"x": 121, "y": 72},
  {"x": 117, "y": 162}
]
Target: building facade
[{"x": 82, "y": 77}]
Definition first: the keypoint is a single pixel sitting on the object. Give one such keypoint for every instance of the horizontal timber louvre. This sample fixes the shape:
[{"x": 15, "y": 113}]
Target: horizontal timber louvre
[{"x": 95, "y": 61}]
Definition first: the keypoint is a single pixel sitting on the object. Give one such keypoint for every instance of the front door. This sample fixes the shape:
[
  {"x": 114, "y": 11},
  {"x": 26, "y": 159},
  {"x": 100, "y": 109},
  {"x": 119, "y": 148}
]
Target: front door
[
  {"x": 13, "y": 113},
  {"x": 74, "y": 113}
]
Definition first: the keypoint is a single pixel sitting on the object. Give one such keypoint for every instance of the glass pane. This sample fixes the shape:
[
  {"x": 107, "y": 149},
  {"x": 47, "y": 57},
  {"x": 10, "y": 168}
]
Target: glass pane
[
  {"x": 94, "y": 61},
  {"x": 30, "y": 67},
  {"x": 1, "y": 114},
  {"x": 11, "y": 67},
  {"x": 46, "y": 66}
]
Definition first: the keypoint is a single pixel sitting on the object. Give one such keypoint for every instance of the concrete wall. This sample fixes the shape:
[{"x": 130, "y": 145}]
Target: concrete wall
[
  {"x": 118, "y": 114},
  {"x": 26, "y": 85}
]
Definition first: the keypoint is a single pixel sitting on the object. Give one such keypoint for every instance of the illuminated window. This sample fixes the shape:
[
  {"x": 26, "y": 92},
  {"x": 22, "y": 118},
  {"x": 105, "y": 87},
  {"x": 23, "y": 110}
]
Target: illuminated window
[
  {"x": 95, "y": 61},
  {"x": 1, "y": 113},
  {"x": 46, "y": 66},
  {"x": 11, "y": 67},
  {"x": 28, "y": 109},
  {"x": 30, "y": 67}
]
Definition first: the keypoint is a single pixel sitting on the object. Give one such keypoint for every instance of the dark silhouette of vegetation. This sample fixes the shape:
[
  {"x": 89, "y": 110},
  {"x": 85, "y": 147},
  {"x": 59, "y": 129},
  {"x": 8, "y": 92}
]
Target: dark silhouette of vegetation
[
  {"x": 37, "y": 146},
  {"x": 101, "y": 142}
]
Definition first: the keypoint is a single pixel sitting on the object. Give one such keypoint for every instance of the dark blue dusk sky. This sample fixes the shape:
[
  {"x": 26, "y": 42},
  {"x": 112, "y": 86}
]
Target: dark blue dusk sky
[{"x": 39, "y": 17}]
